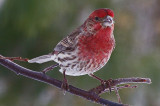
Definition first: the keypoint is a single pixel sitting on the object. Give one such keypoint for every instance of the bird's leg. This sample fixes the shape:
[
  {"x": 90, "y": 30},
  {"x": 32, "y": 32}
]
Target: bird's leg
[
  {"x": 15, "y": 58},
  {"x": 103, "y": 82},
  {"x": 64, "y": 85},
  {"x": 49, "y": 68}
]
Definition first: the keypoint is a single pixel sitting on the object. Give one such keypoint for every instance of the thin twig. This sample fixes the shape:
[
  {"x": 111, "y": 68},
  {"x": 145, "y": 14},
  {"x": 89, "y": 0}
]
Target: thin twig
[
  {"x": 120, "y": 87},
  {"x": 91, "y": 95},
  {"x": 117, "y": 93},
  {"x": 100, "y": 89},
  {"x": 15, "y": 58}
]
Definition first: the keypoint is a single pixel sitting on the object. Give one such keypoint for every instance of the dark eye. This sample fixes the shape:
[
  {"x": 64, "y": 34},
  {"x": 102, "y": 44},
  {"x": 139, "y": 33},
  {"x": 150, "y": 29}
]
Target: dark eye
[{"x": 96, "y": 18}]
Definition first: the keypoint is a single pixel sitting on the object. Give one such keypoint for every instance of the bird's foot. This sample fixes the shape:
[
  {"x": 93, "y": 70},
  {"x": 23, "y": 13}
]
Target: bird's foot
[
  {"x": 107, "y": 83},
  {"x": 103, "y": 82},
  {"x": 64, "y": 86}
]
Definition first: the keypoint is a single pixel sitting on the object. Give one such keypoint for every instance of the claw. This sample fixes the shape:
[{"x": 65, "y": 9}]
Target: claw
[
  {"x": 104, "y": 82},
  {"x": 107, "y": 82},
  {"x": 64, "y": 85}
]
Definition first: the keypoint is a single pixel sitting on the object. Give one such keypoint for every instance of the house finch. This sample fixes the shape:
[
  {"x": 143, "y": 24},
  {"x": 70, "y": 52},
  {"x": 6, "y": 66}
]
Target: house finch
[{"x": 87, "y": 49}]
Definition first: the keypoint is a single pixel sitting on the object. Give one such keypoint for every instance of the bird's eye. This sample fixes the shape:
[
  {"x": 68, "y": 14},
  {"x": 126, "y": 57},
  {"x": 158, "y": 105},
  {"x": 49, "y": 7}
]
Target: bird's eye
[{"x": 96, "y": 18}]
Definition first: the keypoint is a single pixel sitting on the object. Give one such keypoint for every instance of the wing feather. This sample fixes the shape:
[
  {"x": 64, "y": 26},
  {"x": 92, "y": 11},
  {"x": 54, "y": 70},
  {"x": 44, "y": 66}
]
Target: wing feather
[
  {"x": 68, "y": 42},
  {"x": 65, "y": 44}
]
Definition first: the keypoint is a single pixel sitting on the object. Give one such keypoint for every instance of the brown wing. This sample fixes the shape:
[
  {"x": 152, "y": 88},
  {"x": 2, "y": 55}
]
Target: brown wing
[{"x": 68, "y": 42}]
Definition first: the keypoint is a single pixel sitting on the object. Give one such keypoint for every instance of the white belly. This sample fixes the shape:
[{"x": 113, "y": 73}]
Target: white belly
[{"x": 77, "y": 67}]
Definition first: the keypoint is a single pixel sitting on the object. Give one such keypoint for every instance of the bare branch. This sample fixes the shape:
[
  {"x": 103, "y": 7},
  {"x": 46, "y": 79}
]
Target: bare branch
[
  {"x": 100, "y": 89},
  {"x": 91, "y": 95}
]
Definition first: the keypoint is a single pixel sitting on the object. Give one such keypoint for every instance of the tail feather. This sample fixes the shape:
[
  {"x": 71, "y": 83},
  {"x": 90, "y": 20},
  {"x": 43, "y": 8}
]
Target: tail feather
[{"x": 41, "y": 59}]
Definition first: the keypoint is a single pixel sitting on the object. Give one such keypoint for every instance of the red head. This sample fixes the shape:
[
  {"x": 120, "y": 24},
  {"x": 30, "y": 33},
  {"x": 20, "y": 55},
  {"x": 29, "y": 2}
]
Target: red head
[
  {"x": 100, "y": 18},
  {"x": 98, "y": 39},
  {"x": 102, "y": 13}
]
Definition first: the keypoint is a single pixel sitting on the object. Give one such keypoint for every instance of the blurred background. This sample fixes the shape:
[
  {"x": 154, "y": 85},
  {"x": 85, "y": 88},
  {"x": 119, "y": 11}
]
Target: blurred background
[{"x": 31, "y": 28}]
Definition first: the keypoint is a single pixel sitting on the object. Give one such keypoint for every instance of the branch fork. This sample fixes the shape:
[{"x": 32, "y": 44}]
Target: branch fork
[{"x": 92, "y": 94}]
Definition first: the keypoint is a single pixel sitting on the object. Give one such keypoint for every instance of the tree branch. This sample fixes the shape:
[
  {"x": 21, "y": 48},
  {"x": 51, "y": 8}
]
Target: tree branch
[
  {"x": 101, "y": 89},
  {"x": 91, "y": 95}
]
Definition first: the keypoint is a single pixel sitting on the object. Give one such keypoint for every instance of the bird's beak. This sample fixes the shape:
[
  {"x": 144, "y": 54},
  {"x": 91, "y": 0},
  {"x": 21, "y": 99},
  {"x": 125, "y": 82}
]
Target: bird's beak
[{"x": 108, "y": 21}]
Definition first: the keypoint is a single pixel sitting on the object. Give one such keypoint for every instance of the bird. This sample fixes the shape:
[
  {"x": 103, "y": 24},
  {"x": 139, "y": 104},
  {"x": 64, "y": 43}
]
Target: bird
[{"x": 86, "y": 50}]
